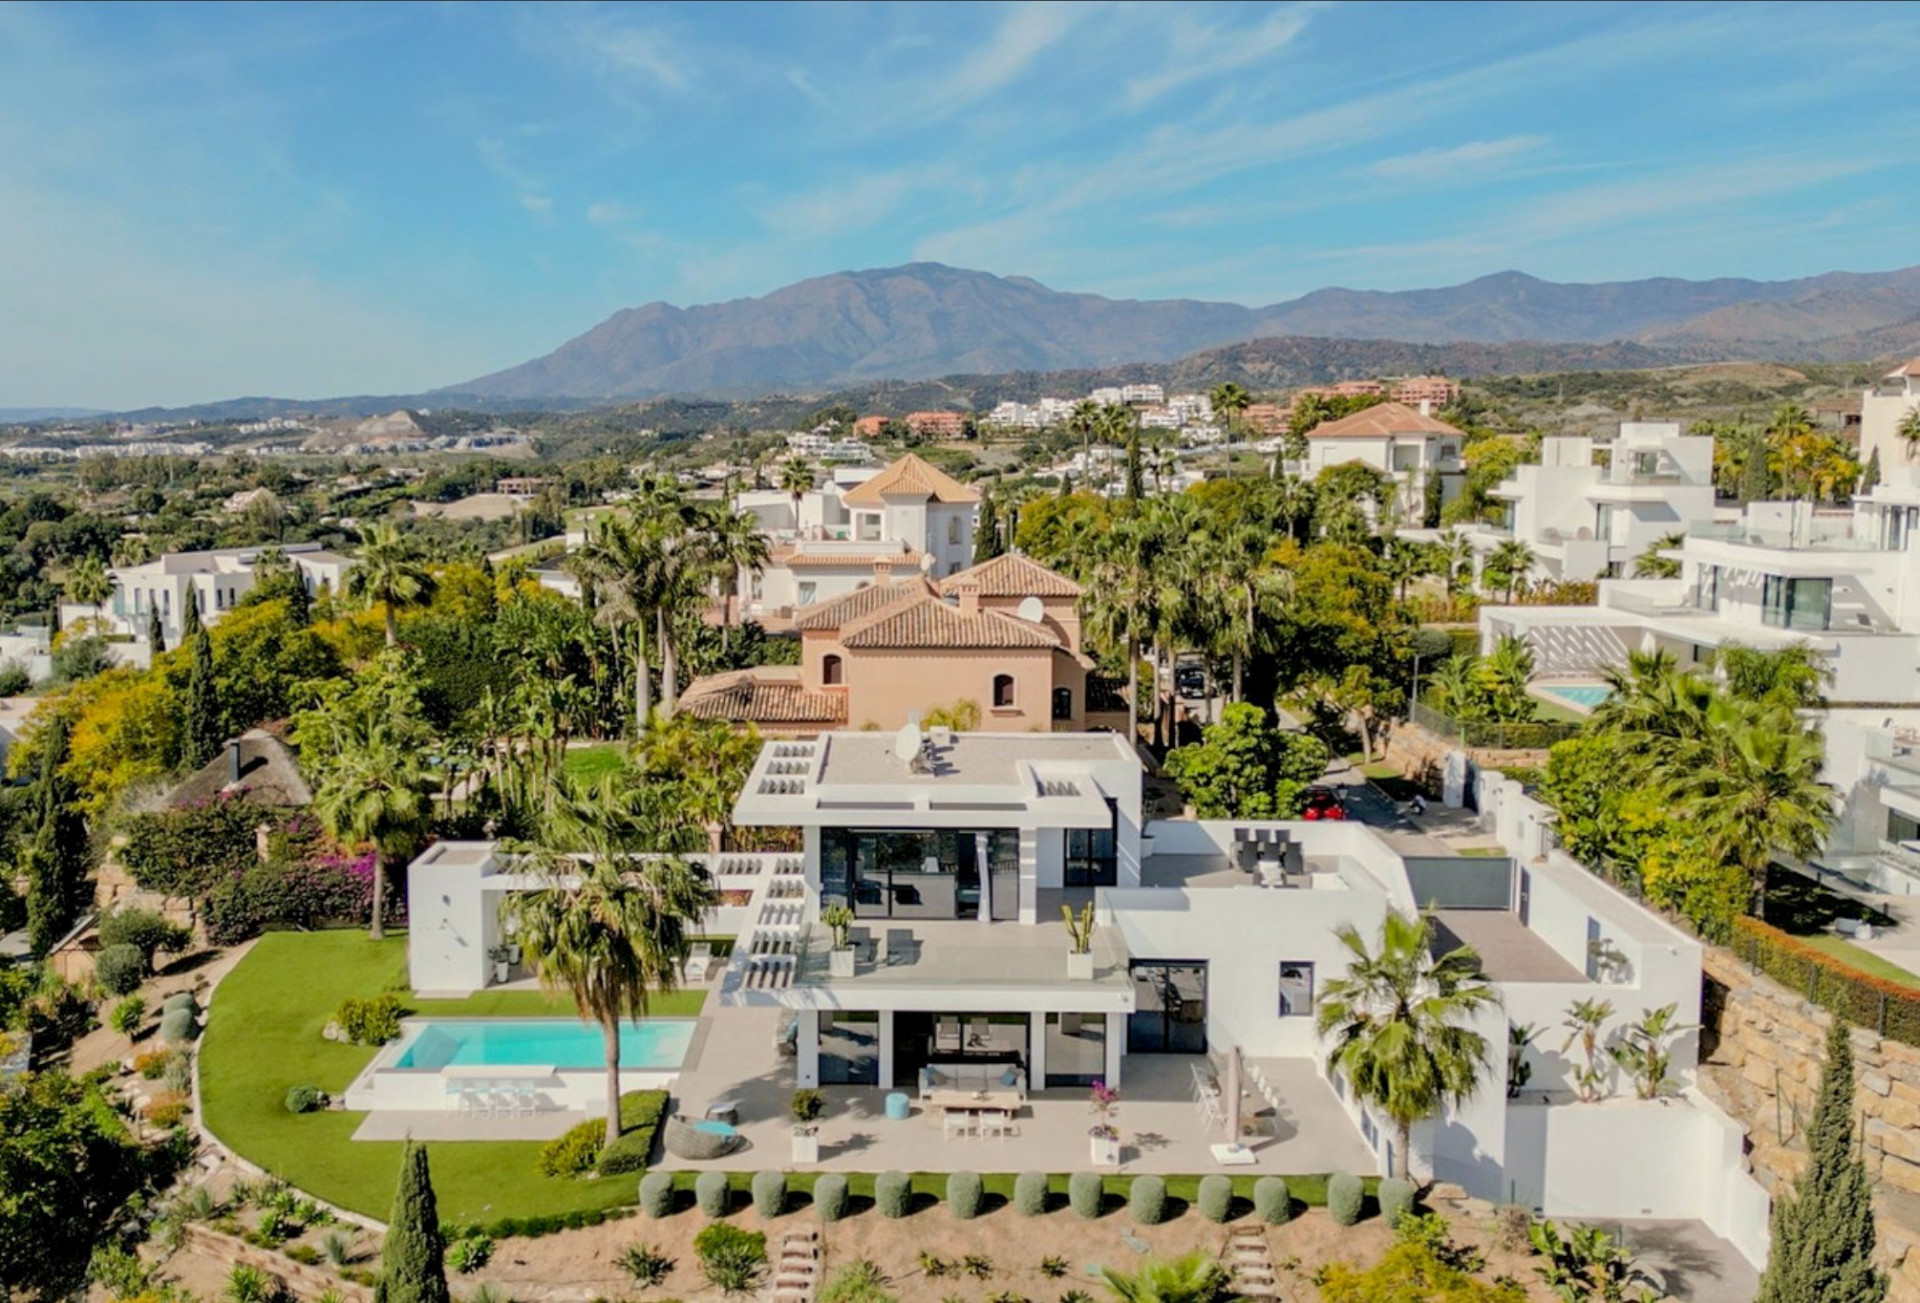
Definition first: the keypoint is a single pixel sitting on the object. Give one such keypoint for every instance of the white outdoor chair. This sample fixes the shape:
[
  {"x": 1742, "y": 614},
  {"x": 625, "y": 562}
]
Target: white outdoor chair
[
  {"x": 956, "y": 1122},
  {"x": 995, "y": 1122},
  {"x": 699, "y": 961},
  {"x": 978, "y": 1033},
  {"x": 526, "y": 1102}
]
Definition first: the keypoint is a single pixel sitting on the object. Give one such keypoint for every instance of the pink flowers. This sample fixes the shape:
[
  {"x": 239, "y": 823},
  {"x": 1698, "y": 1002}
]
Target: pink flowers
[{"x": 1104, "y": 1101}]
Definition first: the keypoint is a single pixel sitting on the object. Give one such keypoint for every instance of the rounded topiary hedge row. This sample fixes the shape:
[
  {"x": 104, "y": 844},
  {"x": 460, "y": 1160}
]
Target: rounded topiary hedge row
[{"x": 1147, "y": 1198}]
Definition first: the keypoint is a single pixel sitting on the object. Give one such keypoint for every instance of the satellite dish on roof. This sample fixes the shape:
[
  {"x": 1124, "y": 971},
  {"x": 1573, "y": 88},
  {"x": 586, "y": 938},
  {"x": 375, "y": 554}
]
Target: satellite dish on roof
[
  {"x": 906, "y": 744},
  {"x": 1031, "y": 609}
]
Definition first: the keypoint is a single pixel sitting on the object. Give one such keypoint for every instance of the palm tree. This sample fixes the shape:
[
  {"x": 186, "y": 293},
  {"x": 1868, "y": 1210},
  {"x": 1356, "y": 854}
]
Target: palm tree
[
  {"x": 1654, "y": 564},
  {"x": 1396, "y": 1021},
  {"x": 1120, "y": 582},
  {"x": 388, "y": 572},
  {"x": 1404, "y": 561},
  {"x": 1192, "y": 1278},
  {"x": 1509, "y": 562},
  {"x": 1456, "y": 552},
  {"x": 89, "y": 584},
  {"x": 1229, "y": 401},
  {"x": 611, "y": 930},
  {"x": 1240, "y": 590},
  {"x": 1909, "y": 431},
  {"x": 1084, "y": 420},
  {"x": 620, "y": 565},
  {"x": 796, "y": 480},
  {"x": 375, "y": 789},
  {"x": 733, "y": 545}
]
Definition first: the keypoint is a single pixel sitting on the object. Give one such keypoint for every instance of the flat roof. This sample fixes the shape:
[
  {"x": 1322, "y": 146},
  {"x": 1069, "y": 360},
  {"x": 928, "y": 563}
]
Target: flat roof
[
  {"x": 973, "y": 759},
  {"x": 1509, "y": 951}
]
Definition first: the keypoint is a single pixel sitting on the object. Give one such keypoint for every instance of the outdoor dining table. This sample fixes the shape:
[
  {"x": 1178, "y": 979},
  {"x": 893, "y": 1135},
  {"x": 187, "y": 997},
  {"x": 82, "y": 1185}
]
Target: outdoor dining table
[{"x": 998, "y": 1101}]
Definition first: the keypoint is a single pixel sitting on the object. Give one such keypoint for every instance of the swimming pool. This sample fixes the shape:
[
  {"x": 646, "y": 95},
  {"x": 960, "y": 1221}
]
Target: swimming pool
[
  {"x": 1581, "y": 696},
  {"x": 652, "y": 1046}
]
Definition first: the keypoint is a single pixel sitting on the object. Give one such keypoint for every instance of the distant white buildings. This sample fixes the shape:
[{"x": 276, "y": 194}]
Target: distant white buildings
[
  {"x": 1410, "y": 446},
  {"x": 220, "y": 578}
]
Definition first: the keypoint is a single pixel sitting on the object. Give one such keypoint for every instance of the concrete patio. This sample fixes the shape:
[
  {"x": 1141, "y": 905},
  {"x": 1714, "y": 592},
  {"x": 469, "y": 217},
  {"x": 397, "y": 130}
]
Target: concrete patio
[{"x": 1161, "y": 1129}]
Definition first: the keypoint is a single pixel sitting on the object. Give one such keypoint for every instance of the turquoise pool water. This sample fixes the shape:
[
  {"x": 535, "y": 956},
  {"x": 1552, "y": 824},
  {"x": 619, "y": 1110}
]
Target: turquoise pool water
[
  {"x": 544, "y": 1042},
  {"x": 1584, "y": 695}
]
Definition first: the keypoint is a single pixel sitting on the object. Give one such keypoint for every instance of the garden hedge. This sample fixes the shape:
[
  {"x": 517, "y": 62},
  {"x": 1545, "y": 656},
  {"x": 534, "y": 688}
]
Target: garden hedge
[
  {"x": 964, "y": 1194},
  {"x": 1086, "y": 1192},
  {"x": 1215, "y": 1197},
  {"x": 830, "y": 1196},
  {"x": 893, "y": 1194},
  {"x": 1147, "y": 1200},
  {"x": 1345, "y": 1195},
  {"x": 1396, "y": 1200},
  {"x": 656, "y": 1194},
  {"x": 769, "y": 1194},
  {"x": 710, "y": 1192},
  {"x": 1272, "y": 1202},
  {"x": 1030, "y": 1193}
]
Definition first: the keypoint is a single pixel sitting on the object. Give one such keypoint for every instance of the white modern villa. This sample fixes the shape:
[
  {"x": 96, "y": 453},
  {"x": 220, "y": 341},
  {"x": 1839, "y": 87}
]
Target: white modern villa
[
  {"x": 957, "y": 1012},
  {"x": 219, "y": 578}
]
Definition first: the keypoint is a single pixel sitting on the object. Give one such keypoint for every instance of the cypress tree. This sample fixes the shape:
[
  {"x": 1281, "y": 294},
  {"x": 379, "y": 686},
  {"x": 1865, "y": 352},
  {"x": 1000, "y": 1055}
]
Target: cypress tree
[
  {"x": 986, "y": 536},
  {"x": 202, "y": 735},
  {"x": 1870, "y": 477},
  {"x": 413, "y": 1266},
  {"x": 55, "y": 862},
  {"x": 1756, "y": 481},
  {"x": 190, "y": 618},
  {"x": 299, "y": 601},
  {"x": 1136, "y": 477},
  {"x": 156, "y": 630},
  {"x": 1823, "y": 1236}
]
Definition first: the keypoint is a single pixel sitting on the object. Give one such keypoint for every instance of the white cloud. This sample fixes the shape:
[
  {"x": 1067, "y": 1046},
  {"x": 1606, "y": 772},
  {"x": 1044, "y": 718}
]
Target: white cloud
[
  {"x": 497, "y": 156},
  {"x": 854, "y": 204},
  {"x": 1195, "y": 52},
  {"x": 1027, "y": 32},
  {"x": 1476, "y": 157}
]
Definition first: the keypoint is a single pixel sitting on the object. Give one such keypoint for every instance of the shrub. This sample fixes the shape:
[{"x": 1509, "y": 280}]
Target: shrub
[
  {"x": 807, "y": 1105},
  {"x": 308, "y": 1256},
  {"x": 177, "y": 1026},
  {"x": 178, "y": 1073},
  {"x": 1272, "y": 1202},
  {"x": 1396, "y": 1200},
  {"x": 893, "y": 1194},
  {"x": 1216, "y": 1198},
  {"x": 1030, "y": 1193},
  {"x": 120, "y": 969},
  {"x": 304, "y": 1099},
  {"x": 731, "y": 1259},
  {"x": 656, "y": 1194},
  {"x": 470, "y": 1252},
  {"x": 144, "y": 930},
  {"x": 964, "y": 1193},
  {"x": 769, "y": 1194},
  {"x": 302, "y": 894},
  {"x": 188, "y": 852},
  {"x": 711, "y": 1194},
  {"x": 370, "y": 1022},
  {"x": 1086, "y": 1192},
  {"x": 153, "y": 1064},
  {"x": 180, "y": 1000},
  {"x": 645, "y": 1264},
  {"x": 248, "y": 1284},
  {"x": 1344, "y": 1196},
  {"x": 830, "y": 1197},
  {"x": 640, "y": 1115},
  {"x": 860, "y": 1281},
  {"x": 128, "y": 1015},
  {"x": 1147, "y": 1200},
  {"x": 574, "y": 1151}
]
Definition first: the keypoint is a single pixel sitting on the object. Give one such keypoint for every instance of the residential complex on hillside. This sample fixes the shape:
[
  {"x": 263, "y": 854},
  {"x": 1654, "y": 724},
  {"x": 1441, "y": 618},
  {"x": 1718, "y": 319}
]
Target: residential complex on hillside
[{"x": 218, "y": 579}]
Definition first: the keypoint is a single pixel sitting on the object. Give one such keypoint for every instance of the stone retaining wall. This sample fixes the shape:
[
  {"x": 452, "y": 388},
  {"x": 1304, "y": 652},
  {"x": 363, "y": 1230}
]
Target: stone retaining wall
[
  {"x": 1762, "y": 1049},
  {"x": 1421, "y": 755},
  {"x": 305, "y": 1282}
]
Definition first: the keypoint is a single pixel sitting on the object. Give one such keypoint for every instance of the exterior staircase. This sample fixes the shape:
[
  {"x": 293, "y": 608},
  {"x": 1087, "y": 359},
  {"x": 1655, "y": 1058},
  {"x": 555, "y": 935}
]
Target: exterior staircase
[
  {"x": 1249, "y": 1263},
  {"x": 796, "y": 1267}
]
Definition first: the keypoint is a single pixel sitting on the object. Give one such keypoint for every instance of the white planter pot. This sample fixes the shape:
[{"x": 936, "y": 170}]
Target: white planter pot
[
  {"x": 513, "y": 954},
  {"x": 840, "y": 963},
  {"x": 501, "y": 971},
  {"x": 806, "y": 1148},
  {"x": 1079, "y": 967},
  {"x": 1106, "y": 1153}
]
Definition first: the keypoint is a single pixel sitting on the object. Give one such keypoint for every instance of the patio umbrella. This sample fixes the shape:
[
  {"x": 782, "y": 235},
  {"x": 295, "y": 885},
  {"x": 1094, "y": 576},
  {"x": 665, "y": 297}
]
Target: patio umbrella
[{"x": 1233, "y": 1096}]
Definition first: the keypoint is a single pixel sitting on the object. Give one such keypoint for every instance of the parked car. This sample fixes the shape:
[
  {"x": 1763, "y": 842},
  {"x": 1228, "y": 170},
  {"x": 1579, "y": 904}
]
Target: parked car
[
  {"x": 1191, "y": 682},
  {"x": 1323, "y": 803}
]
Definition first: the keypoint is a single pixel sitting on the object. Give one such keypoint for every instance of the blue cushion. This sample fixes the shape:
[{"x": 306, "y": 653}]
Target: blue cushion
[
  {"x": 1009, "y": 1078},
  {"x": 714, "y": 1128}
]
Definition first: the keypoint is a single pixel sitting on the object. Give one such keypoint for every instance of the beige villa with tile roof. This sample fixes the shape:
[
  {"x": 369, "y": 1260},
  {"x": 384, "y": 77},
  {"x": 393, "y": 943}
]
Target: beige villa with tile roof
[
  {"x": 1004, "y": 635},
  {"x": 1411, "y": 445}
]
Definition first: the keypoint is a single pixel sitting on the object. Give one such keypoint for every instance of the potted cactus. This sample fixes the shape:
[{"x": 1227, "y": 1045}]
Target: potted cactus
[
  {"x": 1079, "y": 942},
  {"x": 839, "y": 920}
]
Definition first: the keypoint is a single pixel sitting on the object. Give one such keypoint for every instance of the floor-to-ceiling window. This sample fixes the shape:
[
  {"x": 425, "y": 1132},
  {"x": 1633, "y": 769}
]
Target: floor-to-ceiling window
[
  {"x": 1092, "y": 854},
  {"x": 930, "y": 875},
  {"x": 849, "y": 1048},
  {"x": 1169, "y": 1007},
  {"x": 1076, "y": 1048}
]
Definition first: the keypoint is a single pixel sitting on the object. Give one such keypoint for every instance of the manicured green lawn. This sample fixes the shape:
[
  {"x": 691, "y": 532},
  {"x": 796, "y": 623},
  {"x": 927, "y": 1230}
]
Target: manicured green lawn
[
  {"x": 1553, "y": 712},
  {"x": 263, "y": 1035},
  {"x": 1864, "y": 960},
  {"x": 593, "y": 763}
]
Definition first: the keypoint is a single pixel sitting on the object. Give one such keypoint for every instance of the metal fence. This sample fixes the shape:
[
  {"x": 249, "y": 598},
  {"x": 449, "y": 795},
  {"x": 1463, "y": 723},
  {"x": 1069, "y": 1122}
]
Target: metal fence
[{"x": 1531, "y": 736}]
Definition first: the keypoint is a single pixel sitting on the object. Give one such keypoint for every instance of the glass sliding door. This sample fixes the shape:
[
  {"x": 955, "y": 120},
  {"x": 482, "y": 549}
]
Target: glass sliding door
[
  {"x": 1092, "y": 854},
  {"x": 1169, "y": 1007},
  {"x": 1076, "y": 1049},
  {"x": 918, "y": 875},
  {"x": 849, "y": 1049}
]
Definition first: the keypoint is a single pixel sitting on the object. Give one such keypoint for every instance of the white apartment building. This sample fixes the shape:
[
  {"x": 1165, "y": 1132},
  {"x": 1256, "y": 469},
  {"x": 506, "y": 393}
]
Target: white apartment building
[
  {"x": 1591, "y": 508},
  {"x": 1411, "y": 446},
  {"x": 1883, "y": 407},
  {"x": 220, "y": 578},
  {"x": 955, "y": 854}
]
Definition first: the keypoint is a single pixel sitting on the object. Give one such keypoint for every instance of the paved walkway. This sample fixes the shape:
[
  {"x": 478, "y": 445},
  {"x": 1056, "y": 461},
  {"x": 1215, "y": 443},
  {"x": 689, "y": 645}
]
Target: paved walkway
[{"x": 1696, "y": 1265}]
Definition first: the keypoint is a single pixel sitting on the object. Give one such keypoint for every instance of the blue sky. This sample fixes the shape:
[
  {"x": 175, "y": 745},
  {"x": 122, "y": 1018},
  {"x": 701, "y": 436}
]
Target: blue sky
[{"x": 199, "y": 202}]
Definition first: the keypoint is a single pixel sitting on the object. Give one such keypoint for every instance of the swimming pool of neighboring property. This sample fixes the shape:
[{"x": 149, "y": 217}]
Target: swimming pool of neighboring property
[
  {"x": 1581, "y": 696},
  {"x": 550, "y": 1063}
]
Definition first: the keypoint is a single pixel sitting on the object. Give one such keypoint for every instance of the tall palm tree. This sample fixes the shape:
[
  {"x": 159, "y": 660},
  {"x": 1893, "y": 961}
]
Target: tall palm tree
[
  {"x": 1242, "y": 589},
  {"x": 89, "y": 584},
  {"x": 1909, "y": 431},
  {"x": 620, "y": 564},
  {"x": 796, "y": 481},
  {"x": 1084, "y": 421},
  {"x": 1456, "y": 551},
  {"x": 1191, "y": 1278},
  {"x": 610, "y": 927},
  {"x": 732, "y": 545},
  {"x": 1229, "y": 402},
  {"x": 1397, "y": 1018},
  {"x": 1509, "y": 562},
  {"x": 375, "y": 790},
  {"x": 388, "y": 571},
  {"x": 1120, "y": 580}
]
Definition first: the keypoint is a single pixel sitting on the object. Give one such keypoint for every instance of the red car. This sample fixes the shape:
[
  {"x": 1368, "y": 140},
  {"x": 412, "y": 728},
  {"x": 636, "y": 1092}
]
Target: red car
[{"x": 1323, "y": 803}]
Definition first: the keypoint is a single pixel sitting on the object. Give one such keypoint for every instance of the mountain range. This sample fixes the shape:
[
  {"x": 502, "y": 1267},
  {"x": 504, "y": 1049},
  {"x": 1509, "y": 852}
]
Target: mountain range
[{"x": 925, "y": 320}]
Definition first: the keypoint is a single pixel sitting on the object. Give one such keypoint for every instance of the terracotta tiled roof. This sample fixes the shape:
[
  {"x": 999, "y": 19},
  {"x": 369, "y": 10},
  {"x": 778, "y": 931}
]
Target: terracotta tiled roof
[
  {"x": 903, "y": 558},
  {"x": 1906, "y": 369},
  {"x": 1010, "y": 575},
  {"x": 768, "y": 694},
  {"x": 836, "y": 611},
  {"x": 910, "y": 477},
  {"x": 1380, "y": 421},
  {"x": 931, "y": 623}
]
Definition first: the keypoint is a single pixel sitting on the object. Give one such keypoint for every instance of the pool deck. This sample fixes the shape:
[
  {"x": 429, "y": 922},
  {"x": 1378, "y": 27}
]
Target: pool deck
[{"x": 412, "y": 1124}]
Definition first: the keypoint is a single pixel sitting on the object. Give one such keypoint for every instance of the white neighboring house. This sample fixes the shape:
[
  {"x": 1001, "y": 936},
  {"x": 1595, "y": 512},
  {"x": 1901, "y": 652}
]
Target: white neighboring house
[
  {"x": 220, "y": 577},
  {"x": 955, "y": 854},
  {"x": 1882, "y": 408},
  {"x": 1412, "y": 446},
  {"x": 1590, "y": 509}
]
